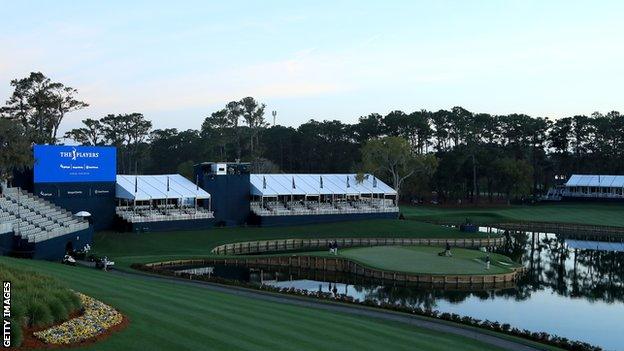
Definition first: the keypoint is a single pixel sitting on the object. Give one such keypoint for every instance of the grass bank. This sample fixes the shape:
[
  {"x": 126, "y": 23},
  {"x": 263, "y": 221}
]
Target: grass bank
[
  {"x": 575, "y": 213},
  {"x": 168, "y": 316},
  {"x": 128, "y": 248}
]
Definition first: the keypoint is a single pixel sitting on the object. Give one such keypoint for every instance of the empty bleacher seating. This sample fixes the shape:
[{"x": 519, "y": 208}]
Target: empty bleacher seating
[
  {"x": 140, "y": 214},
  {"x": 35, "y": 219}
]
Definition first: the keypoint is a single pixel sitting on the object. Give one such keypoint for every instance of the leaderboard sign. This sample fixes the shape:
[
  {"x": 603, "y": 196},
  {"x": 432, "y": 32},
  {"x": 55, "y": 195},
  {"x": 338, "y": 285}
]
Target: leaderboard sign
[{"x": 74, "y": 164}]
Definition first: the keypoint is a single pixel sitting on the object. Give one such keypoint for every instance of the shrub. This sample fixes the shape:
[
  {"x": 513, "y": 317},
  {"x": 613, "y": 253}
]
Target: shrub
[
  {"x": 38, "y": 300},
  {"x": 39, "y": 314},
  {"x": 58, "y": 309}
]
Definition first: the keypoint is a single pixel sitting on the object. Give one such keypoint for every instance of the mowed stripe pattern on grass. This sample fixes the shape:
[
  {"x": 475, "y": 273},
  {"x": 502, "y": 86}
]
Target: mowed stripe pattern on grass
[{"x": 167, "y": 316}]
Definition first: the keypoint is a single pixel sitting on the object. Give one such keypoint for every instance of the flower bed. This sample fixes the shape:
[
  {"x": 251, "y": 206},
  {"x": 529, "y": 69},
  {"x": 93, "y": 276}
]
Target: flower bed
[
  {"x": 39, "y": 301},
  {"x": 97, "y": 318}
]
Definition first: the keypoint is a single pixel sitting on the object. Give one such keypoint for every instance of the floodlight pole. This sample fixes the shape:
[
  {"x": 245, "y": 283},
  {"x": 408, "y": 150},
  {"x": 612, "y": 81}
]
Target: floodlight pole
[{"x": 274, "y": 113}]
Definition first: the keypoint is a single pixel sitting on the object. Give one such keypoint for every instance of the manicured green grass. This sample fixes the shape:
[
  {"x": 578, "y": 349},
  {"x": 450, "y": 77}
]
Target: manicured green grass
[
  {"x": 128, "y": 248},
  {"x": 425, "y": 260},
  {"x": 577, "y": 213},
  {"x": 168, "y": 316}
]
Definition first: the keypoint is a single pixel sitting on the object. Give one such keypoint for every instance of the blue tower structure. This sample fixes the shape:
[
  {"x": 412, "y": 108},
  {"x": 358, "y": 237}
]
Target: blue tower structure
[{"x": 228, "y": 185}]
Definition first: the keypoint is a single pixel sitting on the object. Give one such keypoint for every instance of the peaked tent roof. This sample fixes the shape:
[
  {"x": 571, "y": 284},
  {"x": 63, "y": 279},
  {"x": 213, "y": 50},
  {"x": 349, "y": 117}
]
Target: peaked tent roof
[
  {"x": 310, "y": 184},
  {"x": 605, "y": 181},
  {"x": 154, "y": 187}
]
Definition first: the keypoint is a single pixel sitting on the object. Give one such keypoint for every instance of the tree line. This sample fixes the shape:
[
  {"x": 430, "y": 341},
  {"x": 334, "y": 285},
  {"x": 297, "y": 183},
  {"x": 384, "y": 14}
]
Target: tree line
[{"x": 450, "y": 154}]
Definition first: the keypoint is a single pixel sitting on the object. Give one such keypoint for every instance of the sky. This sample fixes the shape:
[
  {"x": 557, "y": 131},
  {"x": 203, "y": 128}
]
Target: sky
[{"x": 178, "y": 61}]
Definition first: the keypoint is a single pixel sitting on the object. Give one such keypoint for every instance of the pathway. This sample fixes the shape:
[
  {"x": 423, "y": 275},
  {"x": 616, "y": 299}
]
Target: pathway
[{"x": 414, "y": 320}]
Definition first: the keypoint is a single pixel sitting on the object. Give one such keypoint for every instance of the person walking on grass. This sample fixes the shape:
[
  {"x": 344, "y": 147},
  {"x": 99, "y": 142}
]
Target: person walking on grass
[{"x": 487, "y": 262}]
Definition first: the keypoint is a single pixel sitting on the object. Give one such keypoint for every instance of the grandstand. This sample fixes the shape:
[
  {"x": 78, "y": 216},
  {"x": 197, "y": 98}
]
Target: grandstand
[
  {"x": 223, "y": 194},
  {"x": 36, "y": 222},
  {"x": 589, "y": 187},
  {"x": 321, "y": 195},
  {"x": 159, "y": 202}
]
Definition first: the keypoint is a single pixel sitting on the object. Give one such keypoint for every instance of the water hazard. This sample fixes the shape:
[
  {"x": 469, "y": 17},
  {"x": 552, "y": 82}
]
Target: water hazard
[{"x": 574, "y": 287}]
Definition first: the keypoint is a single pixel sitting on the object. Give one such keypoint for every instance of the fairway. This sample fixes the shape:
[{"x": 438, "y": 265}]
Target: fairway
[
  {"x": 168, "y": 316},
  {"x": 577, "y": 213},
  {"x": 425, "y": 260},
  {"x": 128, "y": 248}
]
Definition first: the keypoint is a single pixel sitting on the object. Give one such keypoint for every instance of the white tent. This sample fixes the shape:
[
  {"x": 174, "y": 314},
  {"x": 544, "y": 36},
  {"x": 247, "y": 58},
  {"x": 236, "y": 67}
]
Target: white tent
[
  {"x": 272, "y": 185},
  {"x": 601, "y": 181},
  {"x": 155, "y": 187}
]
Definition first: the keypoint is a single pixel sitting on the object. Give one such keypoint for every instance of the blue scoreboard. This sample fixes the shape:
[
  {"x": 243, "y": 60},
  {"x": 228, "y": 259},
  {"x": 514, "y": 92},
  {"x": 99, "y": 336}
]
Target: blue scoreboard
[{"x": 75, "y": 164}]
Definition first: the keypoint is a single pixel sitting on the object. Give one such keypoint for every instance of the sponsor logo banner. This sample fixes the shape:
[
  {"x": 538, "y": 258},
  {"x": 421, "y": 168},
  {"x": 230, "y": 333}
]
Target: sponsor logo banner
[{"x": 60, "y": 163}]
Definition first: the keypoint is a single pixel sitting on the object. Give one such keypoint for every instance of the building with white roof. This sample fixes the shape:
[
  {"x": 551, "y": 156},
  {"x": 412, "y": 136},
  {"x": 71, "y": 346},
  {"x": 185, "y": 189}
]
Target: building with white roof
[
  {"x": 587, "y": 186},
  {"x": 160, "y": 198},
  {"x": 313, "y": 194},
  {"x": 157, "y": 187}
]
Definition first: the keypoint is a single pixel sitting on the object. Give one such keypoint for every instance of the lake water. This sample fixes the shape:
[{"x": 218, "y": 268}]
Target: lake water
[{"x": 573, "y": 288}]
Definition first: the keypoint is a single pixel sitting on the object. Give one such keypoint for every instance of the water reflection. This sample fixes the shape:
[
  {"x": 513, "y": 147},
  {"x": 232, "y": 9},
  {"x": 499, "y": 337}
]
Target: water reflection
[
  {"x": 568, "y": 270},
  {"x": 570, "y": 288}
]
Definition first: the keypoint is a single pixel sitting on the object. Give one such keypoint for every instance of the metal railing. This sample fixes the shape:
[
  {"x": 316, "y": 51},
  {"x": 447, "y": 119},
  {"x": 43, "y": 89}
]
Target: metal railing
[{"x": 296, "y": 208}]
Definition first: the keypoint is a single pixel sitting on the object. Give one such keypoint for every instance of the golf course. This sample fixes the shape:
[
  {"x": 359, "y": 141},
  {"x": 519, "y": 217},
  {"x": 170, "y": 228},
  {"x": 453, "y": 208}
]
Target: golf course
[
  {"x": 165, "y": 313},
  {"x": 128, "y": 248},
  {"x": 166, "y": 316},
  {"x": 603, "y": 214}
]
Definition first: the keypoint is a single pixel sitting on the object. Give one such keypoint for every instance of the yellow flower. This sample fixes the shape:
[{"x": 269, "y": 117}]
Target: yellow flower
[{"x": 97, "y": 318}]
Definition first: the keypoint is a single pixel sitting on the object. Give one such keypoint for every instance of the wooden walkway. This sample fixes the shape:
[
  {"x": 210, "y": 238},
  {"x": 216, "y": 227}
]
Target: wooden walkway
[
  {"x": 281, "y": 245},
  {"x": 344, "y": 265}
]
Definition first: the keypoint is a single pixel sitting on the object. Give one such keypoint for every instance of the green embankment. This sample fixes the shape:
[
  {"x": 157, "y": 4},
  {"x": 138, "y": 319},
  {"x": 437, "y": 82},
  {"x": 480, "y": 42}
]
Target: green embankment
[
  {"x": 425, "y": 260},
  {"x": 575, "y": 213},
  {"x": 37, "y": 300},
  {"x": 128, "y": 248},
  {"x": 168, "y": 316}
]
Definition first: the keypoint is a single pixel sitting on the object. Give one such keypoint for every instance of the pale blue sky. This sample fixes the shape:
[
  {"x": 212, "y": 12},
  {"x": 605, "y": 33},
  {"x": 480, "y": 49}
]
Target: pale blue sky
[{"x": 178, "y": 61}]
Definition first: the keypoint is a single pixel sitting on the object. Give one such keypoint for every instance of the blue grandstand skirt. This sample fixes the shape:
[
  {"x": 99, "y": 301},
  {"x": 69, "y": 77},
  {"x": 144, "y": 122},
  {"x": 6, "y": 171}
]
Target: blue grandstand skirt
[
  {"x": 51, "y": 249},
  {"x": 7, "y": 242},
  {"x": 165, "y": 226}
]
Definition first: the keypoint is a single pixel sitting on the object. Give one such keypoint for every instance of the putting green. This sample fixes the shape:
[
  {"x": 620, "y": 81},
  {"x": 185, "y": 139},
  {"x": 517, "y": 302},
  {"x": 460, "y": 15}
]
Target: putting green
[{"x": 425, "y": 260}]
